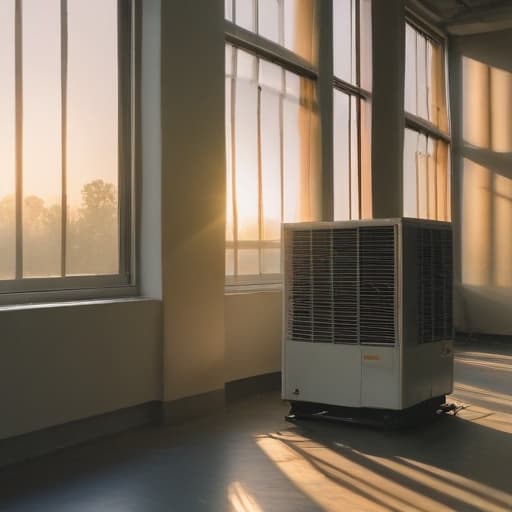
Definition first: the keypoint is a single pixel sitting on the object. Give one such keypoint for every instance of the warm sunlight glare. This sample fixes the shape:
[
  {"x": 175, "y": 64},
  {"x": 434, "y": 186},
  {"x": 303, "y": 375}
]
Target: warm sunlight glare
[
  {"x": 490, "y": 493},
  {"x": 501, "y": 110},
  {"x": 241, "y": 500},
  {"x": 475, "y": 106},
  {"x": 335, "y": 482},
  {"x": 476, "y": 215},
  {"x": 502, "y": 253}
]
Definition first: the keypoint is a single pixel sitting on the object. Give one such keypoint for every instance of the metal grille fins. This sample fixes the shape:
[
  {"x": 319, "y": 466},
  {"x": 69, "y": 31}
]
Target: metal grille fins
[{"x": 341, "y": 285}]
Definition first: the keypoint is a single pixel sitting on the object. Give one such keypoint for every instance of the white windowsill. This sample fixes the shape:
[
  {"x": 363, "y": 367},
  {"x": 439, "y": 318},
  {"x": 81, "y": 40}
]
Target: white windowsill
[
  {"x": 40, "y": 301},
  {"x": 239, "y": 289}
]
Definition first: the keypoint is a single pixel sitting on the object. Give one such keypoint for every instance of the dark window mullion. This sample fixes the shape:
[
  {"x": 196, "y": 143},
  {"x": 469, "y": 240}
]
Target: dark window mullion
[
  {"x": 350, "y": 206},
  {"x": 358, "y": 41},
  {"x": 64, "y": 118},
  {"x": 260, "y": 181},
  {"x": 125, "y": 51},
  {"x": 281, "y": 139},
  {"x": 18, "y": 51},
  {"x": 234, "y": 55}
]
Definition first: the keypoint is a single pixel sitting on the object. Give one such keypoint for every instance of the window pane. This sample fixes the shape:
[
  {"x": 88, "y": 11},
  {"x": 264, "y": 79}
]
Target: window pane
[
  {"x": 228, "y": 9},
  {"x": 410, "y": 181},
  {"x": 41, "y": 138},
  {"x": 271, "y": 76},
  {"x": 421, "y": 176},
  {"x": 438, "y": 90},
  {"x": 443, "y": 181},
  {"x": 341, "y": 130},
  {"x": 425, "y": 87},
  {"x": 300, "y": 133},
  {"x": 246, "y": 148},
  {"x": 268, "y": 19},
  {"x": 271, "y": 164},
  {"x": 421, "y": 68},
  {"x": 244, "y": 12},
  {"x": 344, "y": 39},
  {"x": 365, "y": 52},
  {"x": 229, "y": 147},
  {"x": 7, "y": 142},
  {"x": 410, "y": 70},
  {"x": 426, "y": 177},
  {"x": 230, "y": 262},
  {"x": 292, "y": 134},
  {"x": 248, "y": 262},
  {"x": 92, "y": 151},
  {"x": 354, "y": 159},
  {"x": 271, "y": 261},
  {"x": 299, "y": 27},
  {"x": 431, "y": 178},
  {"x": 365, "y": 149},
  {"x": 431, "y": 84}
]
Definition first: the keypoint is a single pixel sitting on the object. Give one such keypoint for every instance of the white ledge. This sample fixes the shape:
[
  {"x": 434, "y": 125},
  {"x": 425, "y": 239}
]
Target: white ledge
[{"x": 74, "y": 303}]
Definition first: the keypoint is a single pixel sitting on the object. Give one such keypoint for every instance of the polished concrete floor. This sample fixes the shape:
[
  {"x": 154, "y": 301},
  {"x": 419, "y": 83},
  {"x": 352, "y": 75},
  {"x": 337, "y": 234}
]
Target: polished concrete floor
[{"x": 249, "y": 459}]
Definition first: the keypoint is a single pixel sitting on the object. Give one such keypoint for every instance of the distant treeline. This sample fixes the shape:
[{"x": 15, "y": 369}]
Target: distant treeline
[{"x": 92, "y": 245}]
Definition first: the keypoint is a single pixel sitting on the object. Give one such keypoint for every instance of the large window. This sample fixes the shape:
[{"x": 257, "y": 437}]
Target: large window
[
  {"x": 272, "y": 131},
  {"x": 65, "y": 144},
  {"x": 352, "y": 109},
  {"x": 426, "y": 139},
  {"x": 288, "y": 23}
]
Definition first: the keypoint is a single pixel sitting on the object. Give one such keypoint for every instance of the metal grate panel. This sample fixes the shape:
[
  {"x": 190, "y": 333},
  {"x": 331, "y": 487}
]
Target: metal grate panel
[
  {"x": 345, "y": 285},
  {"x": 377, "y": 284},
  {"x": 435, "y": 284},
  {"x": 341, "y": 285}
]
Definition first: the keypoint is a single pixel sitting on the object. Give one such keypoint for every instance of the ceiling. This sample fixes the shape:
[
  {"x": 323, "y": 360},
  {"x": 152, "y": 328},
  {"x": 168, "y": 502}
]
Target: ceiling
[{"x": 461, "y": 17}]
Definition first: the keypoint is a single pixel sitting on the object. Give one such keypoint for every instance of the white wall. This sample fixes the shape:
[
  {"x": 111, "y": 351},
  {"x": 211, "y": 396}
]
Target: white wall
[
  {"x": 482, "y": 166},
  {"x": 65, "y": 362},
  {"x": 253, "y": 334}
]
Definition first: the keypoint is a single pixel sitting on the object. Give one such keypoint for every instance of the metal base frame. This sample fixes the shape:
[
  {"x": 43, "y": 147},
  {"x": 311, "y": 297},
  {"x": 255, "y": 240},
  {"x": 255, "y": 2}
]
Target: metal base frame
[{"x": 379, "y": 418}]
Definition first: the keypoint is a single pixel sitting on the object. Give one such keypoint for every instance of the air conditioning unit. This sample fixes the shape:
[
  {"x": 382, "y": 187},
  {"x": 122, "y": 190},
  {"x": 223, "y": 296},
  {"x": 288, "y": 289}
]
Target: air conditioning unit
[{"x": 367, "y": 315}]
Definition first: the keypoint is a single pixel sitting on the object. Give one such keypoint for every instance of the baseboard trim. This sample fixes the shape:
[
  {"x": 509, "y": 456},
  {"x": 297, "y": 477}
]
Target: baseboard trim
[
  {"x": 242, "y": 388},
  {"x": 191, "y": 407},
  {"x": 41, "y": 442}
]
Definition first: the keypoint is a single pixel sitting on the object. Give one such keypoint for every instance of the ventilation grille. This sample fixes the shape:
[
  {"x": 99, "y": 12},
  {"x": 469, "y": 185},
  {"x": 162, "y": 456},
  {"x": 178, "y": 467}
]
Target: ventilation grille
[
  {"x": 377, "y": 284},
  {"x": 435, "y": 284},
  {"x": 341, "y": 285}
]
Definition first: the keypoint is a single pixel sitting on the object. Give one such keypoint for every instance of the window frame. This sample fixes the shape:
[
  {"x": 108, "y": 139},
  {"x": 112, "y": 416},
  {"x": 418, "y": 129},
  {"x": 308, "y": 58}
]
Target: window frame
[
  {"x": 416, "y": 123},
  {"x": 252, "y": 42},
  {"x": 21, "y": 289}
]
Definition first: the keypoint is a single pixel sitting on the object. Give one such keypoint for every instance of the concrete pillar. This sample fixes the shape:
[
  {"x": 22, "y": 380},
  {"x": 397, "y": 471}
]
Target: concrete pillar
[
  {"x": 193, "y": 201},
  {"x": 388, "y": 107}
]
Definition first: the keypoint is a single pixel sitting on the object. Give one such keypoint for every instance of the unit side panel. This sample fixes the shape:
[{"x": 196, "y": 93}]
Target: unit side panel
[
  {"x": 417, "y": 361},
  {"x": 427, "y": 371},
  {"x": 410, "y": 285}
]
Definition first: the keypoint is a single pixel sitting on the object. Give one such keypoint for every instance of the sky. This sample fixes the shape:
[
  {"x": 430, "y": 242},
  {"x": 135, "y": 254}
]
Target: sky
[{"x": 92, "y": 97}]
